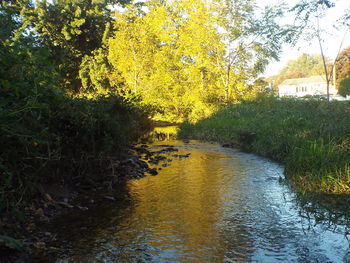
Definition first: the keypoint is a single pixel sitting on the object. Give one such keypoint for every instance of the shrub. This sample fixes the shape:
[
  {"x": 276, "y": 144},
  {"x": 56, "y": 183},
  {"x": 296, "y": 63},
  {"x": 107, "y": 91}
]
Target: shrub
[
  {"x": 344, "y": 88},
  {"x": 48, "y": 136}
]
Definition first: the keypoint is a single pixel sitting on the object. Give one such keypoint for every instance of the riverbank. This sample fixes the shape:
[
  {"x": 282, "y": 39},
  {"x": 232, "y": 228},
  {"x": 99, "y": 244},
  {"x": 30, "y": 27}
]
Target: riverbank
[
  {"x": 310, "y": 137},
  {"x": 31, "y": 237},
  {"x": 57, "y": 148},
  {"x": 216, "y": 204}
]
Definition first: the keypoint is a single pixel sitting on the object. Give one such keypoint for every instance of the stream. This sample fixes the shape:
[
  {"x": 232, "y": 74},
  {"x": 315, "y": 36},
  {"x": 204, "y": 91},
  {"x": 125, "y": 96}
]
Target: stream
[{"x": 217, "y": 205}]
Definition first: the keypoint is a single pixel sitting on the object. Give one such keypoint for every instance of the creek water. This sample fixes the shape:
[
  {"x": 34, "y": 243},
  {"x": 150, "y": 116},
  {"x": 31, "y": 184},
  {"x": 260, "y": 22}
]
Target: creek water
[{"x": 217, "y": 205}]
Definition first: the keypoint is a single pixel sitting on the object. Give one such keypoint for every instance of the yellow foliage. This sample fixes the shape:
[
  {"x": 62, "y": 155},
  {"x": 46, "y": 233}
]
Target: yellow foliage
[{"x": 175, "y": 57}]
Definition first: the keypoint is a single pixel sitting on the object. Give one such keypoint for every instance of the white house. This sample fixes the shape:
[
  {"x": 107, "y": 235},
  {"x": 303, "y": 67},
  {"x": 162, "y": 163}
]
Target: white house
[{"x": 315, "y": 85}]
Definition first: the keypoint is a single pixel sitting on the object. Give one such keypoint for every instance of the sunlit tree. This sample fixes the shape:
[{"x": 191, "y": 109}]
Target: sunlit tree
[
  {"x": 168, "y": 54},
  {"x": 184, "y": 56}
]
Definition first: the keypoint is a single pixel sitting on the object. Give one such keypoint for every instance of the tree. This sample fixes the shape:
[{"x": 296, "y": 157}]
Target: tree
[
  {"x": 252, "y": 37},
  {"x": 309, "y": 15},
  {"x": 9, "y": 20},
  {"x": 133, "y": 47},
  {"x": 260, "y": 85},
  {"x": 168, "y": 55},
  {"x": 24, "y": 64},
  {"x": 71, "y": 30},
  {"x": 307, "y": 64},
  {"x": 94, "y": 72},
  {"x": 344, "y": 88},
  {"x": 188, "y": 56},
  {"x": 342, "y": 64}
]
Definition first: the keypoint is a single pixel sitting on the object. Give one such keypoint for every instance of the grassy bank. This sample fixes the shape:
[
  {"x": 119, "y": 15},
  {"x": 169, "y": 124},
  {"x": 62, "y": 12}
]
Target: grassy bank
[{"x": 310, "y": 137}]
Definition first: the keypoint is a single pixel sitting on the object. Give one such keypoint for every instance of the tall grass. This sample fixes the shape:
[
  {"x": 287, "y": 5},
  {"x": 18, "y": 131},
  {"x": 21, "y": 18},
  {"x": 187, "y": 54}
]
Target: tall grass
[{"x": 311, "y": 138}]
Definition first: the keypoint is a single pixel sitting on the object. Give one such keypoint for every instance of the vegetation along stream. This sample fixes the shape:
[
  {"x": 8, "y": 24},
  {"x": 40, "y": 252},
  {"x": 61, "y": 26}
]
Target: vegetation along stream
[
  {"x": 83, "y": 82},
  {"x": 207, "y": 204}
]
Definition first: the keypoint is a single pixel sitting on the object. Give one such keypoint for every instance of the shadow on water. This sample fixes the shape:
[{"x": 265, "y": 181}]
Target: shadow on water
[
  {"x": 207, "y": 204},
  {"x": 332, "y": 211}
]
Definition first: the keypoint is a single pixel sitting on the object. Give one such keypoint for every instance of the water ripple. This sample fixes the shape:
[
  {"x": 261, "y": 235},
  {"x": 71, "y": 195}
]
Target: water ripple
[{"x": 219, "y": 205}]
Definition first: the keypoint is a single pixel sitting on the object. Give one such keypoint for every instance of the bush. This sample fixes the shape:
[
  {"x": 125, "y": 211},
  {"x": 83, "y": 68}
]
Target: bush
[
  {"x": 48, "y": 136},
  {"x": 344, "y": 88}
]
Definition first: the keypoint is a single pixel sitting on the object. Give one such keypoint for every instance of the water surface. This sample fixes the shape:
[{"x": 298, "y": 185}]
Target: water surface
[{"x": 218, "y": 205}]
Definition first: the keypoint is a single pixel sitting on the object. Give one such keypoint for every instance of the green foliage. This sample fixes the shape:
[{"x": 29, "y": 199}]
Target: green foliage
[
  {"x": 71, "y": 95},
  {"x": 307, "y": 64},
  {"x": 94, "y": 74},
  {"x": 344, "y": 88},
  {"x": 311, "y": 137},
  {"x": 49, "y": 136},
  {"x": 261, "y": 86},
  {"x": 8, "y": 15},
  {"x": 46, "y": 135},
  {"x": 71, "y": 30},
  {"x": 10, "y": 242},
  {"x": 304, "y": 9}
]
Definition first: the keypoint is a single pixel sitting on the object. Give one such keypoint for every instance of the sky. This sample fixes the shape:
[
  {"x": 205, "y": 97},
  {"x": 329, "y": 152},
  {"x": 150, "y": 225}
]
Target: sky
[{"x": 331, "y": 43}]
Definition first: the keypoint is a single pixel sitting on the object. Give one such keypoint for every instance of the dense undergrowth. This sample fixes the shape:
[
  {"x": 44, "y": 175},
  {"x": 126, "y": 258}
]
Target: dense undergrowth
[
  {"x": 47, "y": 137},
  {"x": 311, "y": 138},
  {"x": 51, "y": 134}
]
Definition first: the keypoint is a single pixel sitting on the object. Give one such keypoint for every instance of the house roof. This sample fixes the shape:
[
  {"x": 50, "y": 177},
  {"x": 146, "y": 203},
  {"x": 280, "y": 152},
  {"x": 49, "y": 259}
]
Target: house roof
[{"x": 299, "y": 81}]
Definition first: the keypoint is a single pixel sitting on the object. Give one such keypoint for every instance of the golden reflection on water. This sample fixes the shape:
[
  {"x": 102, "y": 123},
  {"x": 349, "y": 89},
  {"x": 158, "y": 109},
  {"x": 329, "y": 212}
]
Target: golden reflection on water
[
  {"x": 163, "y": 133},
  {"x": 185, "y": 203},
  {"x": 218, "y": 205}
]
